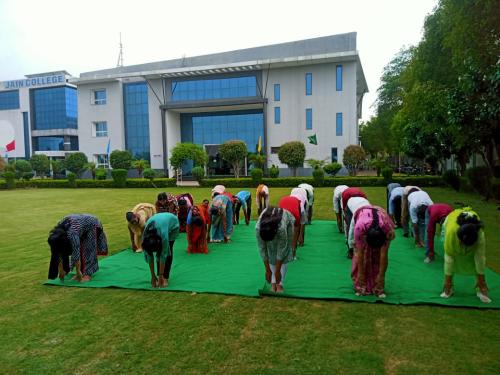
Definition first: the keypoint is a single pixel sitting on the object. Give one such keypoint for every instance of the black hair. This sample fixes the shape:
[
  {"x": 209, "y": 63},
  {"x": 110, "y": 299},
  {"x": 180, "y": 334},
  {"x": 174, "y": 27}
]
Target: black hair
[
  {"x": 182, "y": 202},
  {"x": 162, "y": 196},
  {"x": 130, "y": 216},
  {"x": 375, "y": 236},
  {"x": 206, "y": 201},
  {"x": 151, "y": 240},
  {"x": 196, "y": 220},
  {"x": 421, "y": 210},
  {"x": 412, "y": 190},
  {"x": 469, "y": 227},
  {"x": 269, "y": 223},
  {"x": 60, "y": 248},
  {"x": 214, "y": 211},
  {"x": 215, "y": 194}
]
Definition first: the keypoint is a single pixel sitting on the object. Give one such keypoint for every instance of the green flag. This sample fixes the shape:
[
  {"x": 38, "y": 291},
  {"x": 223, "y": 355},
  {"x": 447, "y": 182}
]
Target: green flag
[{"x": 313, "y": 140}]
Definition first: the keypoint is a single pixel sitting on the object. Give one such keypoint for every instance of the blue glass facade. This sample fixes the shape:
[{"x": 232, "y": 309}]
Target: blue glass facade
[
  {"x": 9, "y": 100},
  {"x": 53, "y": 143},
  {"x": 277, "y": 115},
  {"x": 277, "y": 92},
  {"x": 339, "y": 125},
  {"x": 135, "y": 102},
  {"x": 339, "y": 78},
  {"x": 26, "y": 127},
  {"x": 209, "y": 89},
  {"x": 309, "y": 83},
  {"x": 218, "y": 127},
  {"x": 309, "y": 118},
  {"x": 54, "y": 108}
]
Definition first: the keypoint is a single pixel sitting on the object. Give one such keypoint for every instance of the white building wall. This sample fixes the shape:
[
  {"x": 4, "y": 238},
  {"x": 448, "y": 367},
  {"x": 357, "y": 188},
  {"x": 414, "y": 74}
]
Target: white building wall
[
  {"x": 155, "y": 125},
  {"x": 111, "y": 112},
  {"x": 325, "y": 102}
]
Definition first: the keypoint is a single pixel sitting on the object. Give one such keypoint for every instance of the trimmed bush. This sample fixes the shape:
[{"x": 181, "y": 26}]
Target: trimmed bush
[
  {"x": 119, "y": 177},
  {"x": 274, "y": 171},
  {"x": 120, "y": 159},
  {"x": 293, "y": 155},
  {"x": 354, "y": 157},
  {"x": 481, "y": 180},
  {"x": 318, "y": 176},
  {"x": 452, "y": 179},
  {"x": 387, "y": 174},
  {"x": 22, "y": 167},
  {"x": 149, "y": 174},
  {"x": 234, "y": 152},
  {"x": 257, "y": 175},
  {"x": 10, "y": 179},
  {"x": 198, "y": 173},
  {"x": 28, "y": 175},
  {"x": 332, "y": 168},
  {"x": 72, "y": 179},
  {"x": 100, "y": 174},
  {"x": 76, "y": 162},
  {"x": 40, "y": 164}
]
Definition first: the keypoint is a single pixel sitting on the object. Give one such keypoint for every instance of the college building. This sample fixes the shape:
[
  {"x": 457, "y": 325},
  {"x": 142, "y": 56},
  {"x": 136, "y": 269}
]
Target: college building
[
  {"x": 268, "y": 95},
  {"x": 40, "y": 111}
]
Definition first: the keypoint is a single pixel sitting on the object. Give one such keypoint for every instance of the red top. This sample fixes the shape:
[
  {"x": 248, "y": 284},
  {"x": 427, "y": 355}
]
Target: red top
[
  {"x": 437, "y": 212},
  {"x": 292, "y": 205},
  {"x": 349, "y": 193}
]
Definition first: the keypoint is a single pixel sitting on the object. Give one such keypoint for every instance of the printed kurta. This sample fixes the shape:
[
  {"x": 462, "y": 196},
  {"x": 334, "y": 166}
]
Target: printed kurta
[
  {"x": 197, "y": 235},
  {"x": 225, "y": 206},
  {"x": 144, "y": 211},
  {"x": 280, "y": 248}
]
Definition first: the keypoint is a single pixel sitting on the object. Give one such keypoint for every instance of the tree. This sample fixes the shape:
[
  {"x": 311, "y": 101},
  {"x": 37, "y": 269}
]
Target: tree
[
  {"x": 57, "y": 166},
  {"x": 140, "y": 165},
  {"x": 354, "y": 157},
  {"x": 91, "y": 167},
  {"x": 316, "y": 163},
  {"x": 120, "y": 159},
  {"x": 292, "y": 154},
  {"x": 257, "y": 160},
  {"x": 22, "y": 167},
  {"x": 183, "y": 152},
  {"x": 76, "y": 162},
  {"x": 234, "y": 152},
  {"x": 40, "y": 164}
]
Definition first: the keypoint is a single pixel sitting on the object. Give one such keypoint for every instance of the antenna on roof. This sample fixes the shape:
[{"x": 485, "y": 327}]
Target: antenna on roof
[{"x": 120, "y": 54}]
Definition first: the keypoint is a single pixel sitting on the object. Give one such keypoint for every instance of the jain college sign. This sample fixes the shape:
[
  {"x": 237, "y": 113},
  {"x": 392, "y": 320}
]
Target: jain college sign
[{"x": 35, "y": 81}]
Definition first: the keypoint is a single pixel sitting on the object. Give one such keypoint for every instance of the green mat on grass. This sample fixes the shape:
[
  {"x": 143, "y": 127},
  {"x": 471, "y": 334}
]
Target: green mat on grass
[{"x": 322, "y": 271}]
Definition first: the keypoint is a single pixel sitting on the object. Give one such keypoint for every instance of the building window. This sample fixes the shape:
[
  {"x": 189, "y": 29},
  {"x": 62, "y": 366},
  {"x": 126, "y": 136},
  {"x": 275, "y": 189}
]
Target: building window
[
  {"x": 99, "y": 97},
  {"x": 26, "y": 126},
  {"x": 136, "y": 114},
  {"x": 100, "y": 129},
  {"x": 275, "y": 150},
  {"x": 309, "y": 118},
  {"x": 210, "y": 89},
  {"x": 309, "y": 83},
  {"x": 9, "y": 100},
  {"x": 277, "y": 115},
  {"x": 54, "y": 108},
  {"x": 339, "y": 78},
  {"x": 277, "y": 92},
  {"x": 101, "y": 161},
  {"x": 338, "y": 130},
  {"x": 334, "y": 155}
]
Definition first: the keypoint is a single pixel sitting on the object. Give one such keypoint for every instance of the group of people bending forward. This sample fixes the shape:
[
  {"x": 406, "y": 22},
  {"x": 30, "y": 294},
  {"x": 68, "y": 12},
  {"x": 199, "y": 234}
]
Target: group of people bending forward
[
  {"x": 411, "y": 209},
  {"x": 78, "y": 239}
]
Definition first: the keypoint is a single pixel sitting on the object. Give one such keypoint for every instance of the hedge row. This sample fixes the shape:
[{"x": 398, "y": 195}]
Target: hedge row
[
  {"x": 131, "y": 183},
  {"x": 423, "y": 181}
]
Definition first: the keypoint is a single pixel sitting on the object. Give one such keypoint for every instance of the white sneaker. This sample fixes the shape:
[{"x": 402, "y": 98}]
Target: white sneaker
[
  {"x": 445, "y": 295},
  {"x": 381, "y": 295},
  {"x": 427, "y": 260},
  {"x": 484, "y": 298}
]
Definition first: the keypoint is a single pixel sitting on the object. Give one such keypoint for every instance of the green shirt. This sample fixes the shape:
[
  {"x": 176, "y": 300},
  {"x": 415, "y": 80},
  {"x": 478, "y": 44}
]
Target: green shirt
[
  {"x": 280, "y": 248},
  {"x": 167, "y": 225}
]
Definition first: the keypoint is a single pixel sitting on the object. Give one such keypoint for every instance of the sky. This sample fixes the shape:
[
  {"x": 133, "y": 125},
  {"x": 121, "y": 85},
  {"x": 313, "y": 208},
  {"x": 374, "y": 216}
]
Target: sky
[{"x": 38, "y": 36}]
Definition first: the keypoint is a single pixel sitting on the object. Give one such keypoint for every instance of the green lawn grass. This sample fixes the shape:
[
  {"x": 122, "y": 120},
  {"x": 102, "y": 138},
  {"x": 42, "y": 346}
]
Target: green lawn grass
[{"x": 105, "y": 331}]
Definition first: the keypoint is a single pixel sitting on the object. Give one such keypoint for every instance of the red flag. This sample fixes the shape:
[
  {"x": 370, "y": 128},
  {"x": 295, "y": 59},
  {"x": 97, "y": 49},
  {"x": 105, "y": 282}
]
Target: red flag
[{"x": 11, "y": 146}]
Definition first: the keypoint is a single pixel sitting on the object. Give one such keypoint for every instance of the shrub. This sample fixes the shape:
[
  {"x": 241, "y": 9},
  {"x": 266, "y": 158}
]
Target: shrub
[
  {"x": 451, "y": 178},
  {"x": 101, "y": 174},
  {"x": 22, "y": 167},
  {"x": 274, "y": 171},
  {"x": 119, "y": 177},
  {"x": 120, "y": 159},
  {"x": 257, "y": 160},
  {"x": 316, "y": 163},
  {"x": 481, "y": 180},
  {"x": 354, "y": 157},
  {"x": 72, "y": 179},
  {"x": 198, "y": 173},
  {"x": 40, "y": 164},
  {"x": 149, "y": 174},
  {"x": 28, "y": 175},
  {"x": 140, "y": 166},
  {"x": 332, "y": 168},
  {"x": 387, "y": 174},
  {"x": 10, "y": 179},
  {"x": 257, "y": 175},
  {"x": 234, "y": 152},
  {"x": 3, "y": 164},
  {"x": 57, "y": 166},
  {"x": 76, "y": 162},
  {"x": 91, "y": 167},
  {"x": 318, "y": 176},
  {"x": 183, "y": 152},
  {"x": 379, "y": 164},
  {"x": 292, "y": 154}
]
